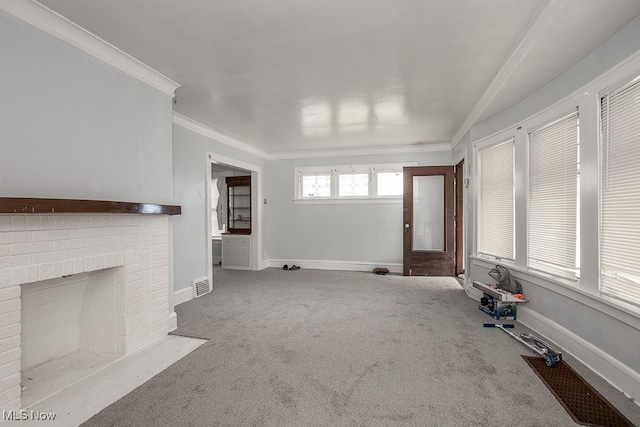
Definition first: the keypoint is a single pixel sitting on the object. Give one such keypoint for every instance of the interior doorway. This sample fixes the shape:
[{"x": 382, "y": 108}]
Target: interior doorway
[{"x": 219, "y": 167}]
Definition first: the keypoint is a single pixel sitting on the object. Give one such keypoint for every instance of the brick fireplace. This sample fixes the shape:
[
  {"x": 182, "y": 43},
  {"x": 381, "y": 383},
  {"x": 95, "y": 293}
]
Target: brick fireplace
[{"x": 76, "y": 285}]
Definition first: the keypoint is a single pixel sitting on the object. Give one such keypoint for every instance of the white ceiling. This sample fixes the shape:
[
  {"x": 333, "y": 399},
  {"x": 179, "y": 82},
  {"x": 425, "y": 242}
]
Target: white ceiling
[{"x": 291, "y": 75}]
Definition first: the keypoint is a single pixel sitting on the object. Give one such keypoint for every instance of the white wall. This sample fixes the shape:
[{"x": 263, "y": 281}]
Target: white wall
[
  {"x": 190, "y": 165},
  {"x": 74, "y": 127},
  {"x": 600, "y": 332},
  {"x": 317, "y": 234}
]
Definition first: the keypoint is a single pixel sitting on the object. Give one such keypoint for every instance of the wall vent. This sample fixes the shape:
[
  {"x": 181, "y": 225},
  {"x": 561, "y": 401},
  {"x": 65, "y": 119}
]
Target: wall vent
[{"x": 201, "y": 287}]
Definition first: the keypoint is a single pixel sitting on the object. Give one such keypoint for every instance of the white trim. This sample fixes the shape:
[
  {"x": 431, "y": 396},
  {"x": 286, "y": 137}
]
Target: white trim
[
  {"x": 349, "y": 201},
  {"x": 256, "y": 203},
  {"x": 608, "y": 306},
  {"x": 199, "y": 128},
  {"x": 183, "y": 295},
  {"x": 336, "y": 265},
  {"x": 359, "y": 151},
  {"x": 612, "y": 370},
  {"x": 56, "y": 25},
  {"x": 547, "y": 13},
  {"x": 173, "y": 321}
]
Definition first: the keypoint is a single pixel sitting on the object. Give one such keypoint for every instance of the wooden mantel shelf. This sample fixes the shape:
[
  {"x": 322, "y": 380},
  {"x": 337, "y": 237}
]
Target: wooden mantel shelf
[{"x": 40, "y": 206}]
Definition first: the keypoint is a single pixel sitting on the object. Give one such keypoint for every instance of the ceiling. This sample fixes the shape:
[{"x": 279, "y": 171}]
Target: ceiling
[{"x": 291, "y": 75}]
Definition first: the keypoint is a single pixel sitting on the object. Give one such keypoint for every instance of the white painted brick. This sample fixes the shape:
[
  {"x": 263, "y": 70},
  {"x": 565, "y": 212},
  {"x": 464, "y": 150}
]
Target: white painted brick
[
  {"x": 89, "y": 264},
  {"x": 10, "y": 398},
  {"x": 15, "y": 237},
  {"x": 18, "y": 275},
  {"x": 80, "y": 222},
  {"x": 5, "y": 278},
  {"x": 10, "y": 382},
  {"x": 62, "y": 222},
  {"x": 5, "y": 222},
  {"x": 83, "y": 233},
  {"x": 31, "y": 274},
  {"x": 44, "y": 272},
  {"x": 10, "y": 293},
  {"x": 62, "y": 245},
  {"x": 78, "y": 243},
  {"x": 57, "y": 269},
  {"x": 19, "y": 260},
  {"x": 10, "y": 318},
  {"x": 53, "y": 256},
  {"x": 78, "y": 266},
  {"x": 18, "y": 222},
  {"x": 52, "y": 235},
  {"x": 5, "y": 250},
  {"x": 9, "y": 306},
  {"x": 33, "y": 222},
  {"x": 9, "y": 356},
  {"x": 67, "y": 268},
  {"x": 118, "y": 258},
  {"x": 47, "y": 222},
  {"x": 9, "y": 331},
  {"x": 10, "y": 343},
  {"x": 31, "y": 248}
]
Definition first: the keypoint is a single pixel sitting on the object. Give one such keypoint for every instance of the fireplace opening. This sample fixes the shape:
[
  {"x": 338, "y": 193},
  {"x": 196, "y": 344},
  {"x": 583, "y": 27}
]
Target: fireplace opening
[{"x": 71, "y": 327}]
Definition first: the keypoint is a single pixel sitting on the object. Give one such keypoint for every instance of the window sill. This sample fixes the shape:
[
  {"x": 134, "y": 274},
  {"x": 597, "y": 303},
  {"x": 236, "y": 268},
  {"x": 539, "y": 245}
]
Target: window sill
[
  {"x": 348, "y": 201},
  {"x": 619, "y": 310}
]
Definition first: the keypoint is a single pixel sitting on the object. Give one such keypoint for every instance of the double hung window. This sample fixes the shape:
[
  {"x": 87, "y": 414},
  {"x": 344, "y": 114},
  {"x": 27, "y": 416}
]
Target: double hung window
[
  {"x": 620, "y": 193},
  {"x": 496, "y": 200},
  {"x": 553, "y": 213}
]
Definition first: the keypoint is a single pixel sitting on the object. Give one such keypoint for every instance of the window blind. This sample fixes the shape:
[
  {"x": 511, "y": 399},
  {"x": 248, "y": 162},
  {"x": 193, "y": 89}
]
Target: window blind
[
  {"x": 553, "y": 198},
  {"x": 620, "y": 194},
  {"x": 496, "y": 204}
]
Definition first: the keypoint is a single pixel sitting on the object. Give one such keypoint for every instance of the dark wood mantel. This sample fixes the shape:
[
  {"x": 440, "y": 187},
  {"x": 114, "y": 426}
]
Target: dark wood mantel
[{"x": 41, "y": 206}]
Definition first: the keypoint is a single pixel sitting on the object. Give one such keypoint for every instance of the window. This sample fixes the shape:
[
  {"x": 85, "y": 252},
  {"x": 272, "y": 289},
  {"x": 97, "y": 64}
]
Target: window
[
  {"x": 620, "y": 193},
  {"x": 353, "y": 184},
  {"x": 390, "y": 183},
  {"x": 366, "y": 182},
  {"x": 318, "y": 185},
  {"x": 496, "y": 204},
  {"x": 553, "y": 198}
]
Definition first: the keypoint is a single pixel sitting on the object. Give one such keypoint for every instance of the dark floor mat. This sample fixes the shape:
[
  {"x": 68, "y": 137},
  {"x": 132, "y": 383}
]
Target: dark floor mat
[{"x": 585, "y": 405}]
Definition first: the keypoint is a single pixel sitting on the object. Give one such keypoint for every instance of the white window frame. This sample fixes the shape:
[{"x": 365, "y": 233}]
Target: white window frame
[
  {"x": 615, "y": 276},
  {"x": 502, "y": 138},
  {"x": 539, "y": 125},
  {"x": 335, "y": 171}
]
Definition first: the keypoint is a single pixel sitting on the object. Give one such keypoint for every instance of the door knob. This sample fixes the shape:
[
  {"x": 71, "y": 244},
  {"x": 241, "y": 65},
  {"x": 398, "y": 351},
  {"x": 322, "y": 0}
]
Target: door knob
[{"x": 406, "y": 226}]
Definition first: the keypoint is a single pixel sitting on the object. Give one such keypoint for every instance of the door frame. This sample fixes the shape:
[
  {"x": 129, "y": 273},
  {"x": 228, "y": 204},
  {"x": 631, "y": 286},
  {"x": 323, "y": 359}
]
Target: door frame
[
  {"x": 256, "y": 209},
  {"x": 446, "y": 258},
  {"x": 459, "y": 185}
]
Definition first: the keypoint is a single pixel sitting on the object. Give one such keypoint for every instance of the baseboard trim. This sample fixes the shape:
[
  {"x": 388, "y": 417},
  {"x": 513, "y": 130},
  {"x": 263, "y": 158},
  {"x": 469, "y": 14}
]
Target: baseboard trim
[
  {"x": 173, "y": 321},
  {"x": 182, "y": 295},
  {"x": 335, "y": 265},
  {"x": 612, "y": 370}
]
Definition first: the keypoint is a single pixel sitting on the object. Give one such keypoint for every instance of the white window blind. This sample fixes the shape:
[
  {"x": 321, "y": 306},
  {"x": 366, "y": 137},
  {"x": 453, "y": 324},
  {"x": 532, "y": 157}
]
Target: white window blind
[
  {"x": 620, "y": 194},
  {"x": 553, "y": 198},
  {"x": 496, "y": 211}
]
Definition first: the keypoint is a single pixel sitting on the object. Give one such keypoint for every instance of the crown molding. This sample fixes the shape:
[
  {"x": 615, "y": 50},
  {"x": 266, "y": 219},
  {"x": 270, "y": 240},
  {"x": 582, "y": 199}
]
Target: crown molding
[
  {"x": 56, "y": 25},
  {"x": 199, "y": 128},
  {"x": 361, "y": 151}
]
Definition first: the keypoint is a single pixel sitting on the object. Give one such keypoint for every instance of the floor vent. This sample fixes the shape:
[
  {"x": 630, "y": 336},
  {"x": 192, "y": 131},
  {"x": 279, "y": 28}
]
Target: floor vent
[{"x": 201, "y": 287}]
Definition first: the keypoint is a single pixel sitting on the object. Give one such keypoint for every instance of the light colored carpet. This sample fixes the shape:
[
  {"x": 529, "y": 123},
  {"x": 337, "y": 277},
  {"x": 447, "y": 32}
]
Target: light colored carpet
[{"x": 328, "y": 348}]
